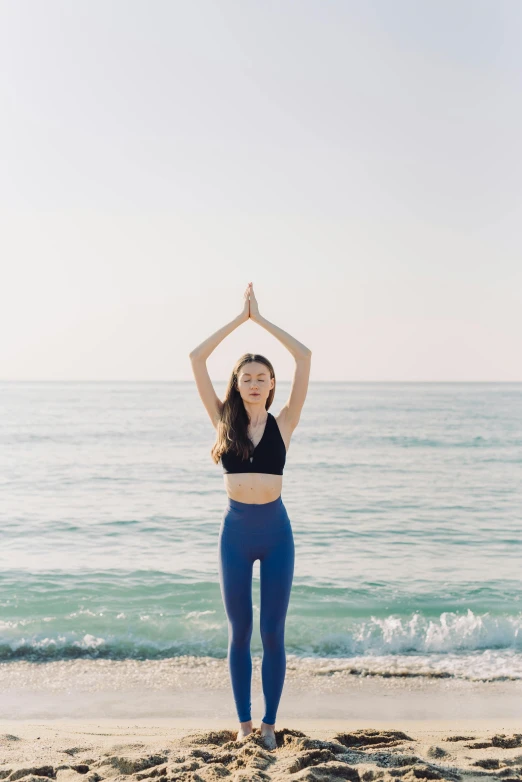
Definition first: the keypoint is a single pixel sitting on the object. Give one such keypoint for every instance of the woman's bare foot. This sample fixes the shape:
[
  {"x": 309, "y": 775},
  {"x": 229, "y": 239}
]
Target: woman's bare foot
[
  {"x": 244, "y": 729},
  {"x": 268, "y": 734}
]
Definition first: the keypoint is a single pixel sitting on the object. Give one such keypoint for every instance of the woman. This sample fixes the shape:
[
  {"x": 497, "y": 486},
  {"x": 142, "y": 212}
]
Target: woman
[{"x": 252, "y": 445}]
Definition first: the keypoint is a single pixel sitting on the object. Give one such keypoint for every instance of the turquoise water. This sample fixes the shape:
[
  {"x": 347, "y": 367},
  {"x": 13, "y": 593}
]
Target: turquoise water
[{"x": 405, "y": 502}]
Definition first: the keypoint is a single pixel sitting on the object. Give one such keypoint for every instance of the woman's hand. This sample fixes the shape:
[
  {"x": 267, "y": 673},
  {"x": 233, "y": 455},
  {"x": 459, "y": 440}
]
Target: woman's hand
[
  {"x": 246, "y": 309},
  {"x": 254, "y": 309}
]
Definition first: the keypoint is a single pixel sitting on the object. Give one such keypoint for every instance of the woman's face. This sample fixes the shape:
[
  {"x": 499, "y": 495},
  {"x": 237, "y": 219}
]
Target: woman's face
[{"x": 254, "y": 383}]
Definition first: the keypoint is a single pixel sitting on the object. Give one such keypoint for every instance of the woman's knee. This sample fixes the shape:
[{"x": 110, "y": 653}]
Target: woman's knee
[
  {"x": 240, "y": 632},
  {"x": 273, "y": 634}
]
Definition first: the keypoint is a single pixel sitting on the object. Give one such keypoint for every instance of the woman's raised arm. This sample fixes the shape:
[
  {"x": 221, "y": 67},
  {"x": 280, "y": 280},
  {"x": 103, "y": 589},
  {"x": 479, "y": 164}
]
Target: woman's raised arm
[
  {"x": 296, "y": 348},
  {"x": 204, "y": 350},
  {"x": 198, "y": 358}
]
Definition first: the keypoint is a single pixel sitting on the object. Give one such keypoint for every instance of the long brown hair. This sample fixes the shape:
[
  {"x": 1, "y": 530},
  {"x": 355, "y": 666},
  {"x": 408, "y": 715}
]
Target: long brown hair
[{"x": 232, "y": 428}]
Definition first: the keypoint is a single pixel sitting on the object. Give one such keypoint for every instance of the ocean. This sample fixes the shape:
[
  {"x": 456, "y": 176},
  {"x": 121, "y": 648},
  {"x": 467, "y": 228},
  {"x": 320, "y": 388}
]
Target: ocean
[{"x": 405, "y": 501}]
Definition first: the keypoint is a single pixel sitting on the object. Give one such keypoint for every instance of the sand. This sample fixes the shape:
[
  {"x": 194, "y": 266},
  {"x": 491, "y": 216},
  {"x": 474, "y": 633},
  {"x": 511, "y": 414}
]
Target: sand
[
  {"x": 167, "y": 721},
  {"x": 193, "y": 750}
]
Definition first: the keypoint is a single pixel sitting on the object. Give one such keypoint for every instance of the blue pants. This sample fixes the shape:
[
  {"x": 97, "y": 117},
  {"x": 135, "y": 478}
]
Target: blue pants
[{"x": 249, "y": 532}]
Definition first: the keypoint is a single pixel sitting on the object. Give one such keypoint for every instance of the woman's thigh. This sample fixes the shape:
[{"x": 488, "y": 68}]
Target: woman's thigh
[
  {"x": 276, "y": 573},
  {"x": 235, "y": 576}
]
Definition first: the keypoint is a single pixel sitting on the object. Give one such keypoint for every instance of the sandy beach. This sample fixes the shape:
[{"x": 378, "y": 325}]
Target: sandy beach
[{"x": 192, "y": 750}]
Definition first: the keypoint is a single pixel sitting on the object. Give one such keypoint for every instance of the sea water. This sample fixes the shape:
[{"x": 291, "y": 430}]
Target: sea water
[{"x": 405, "y": 501}]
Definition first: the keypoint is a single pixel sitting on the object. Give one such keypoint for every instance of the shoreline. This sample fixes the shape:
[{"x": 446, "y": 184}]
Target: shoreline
[{"x": 136, "y": 690}]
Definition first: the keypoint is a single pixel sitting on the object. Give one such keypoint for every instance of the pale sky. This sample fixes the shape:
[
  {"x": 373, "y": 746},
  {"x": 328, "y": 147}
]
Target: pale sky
[{"x": 359, "y": 161}]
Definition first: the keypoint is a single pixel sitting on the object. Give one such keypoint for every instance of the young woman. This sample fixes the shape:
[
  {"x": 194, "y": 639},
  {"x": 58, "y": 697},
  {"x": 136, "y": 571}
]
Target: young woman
[{"x": 252, "y": 445}]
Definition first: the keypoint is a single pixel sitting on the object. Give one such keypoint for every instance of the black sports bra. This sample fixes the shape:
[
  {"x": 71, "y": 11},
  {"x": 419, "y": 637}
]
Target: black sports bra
[{"x": 269, "y": 455}]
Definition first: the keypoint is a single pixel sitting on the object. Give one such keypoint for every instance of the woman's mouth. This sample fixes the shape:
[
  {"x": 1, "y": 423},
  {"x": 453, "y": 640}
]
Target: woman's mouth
[{"x": 254, "y": 394}]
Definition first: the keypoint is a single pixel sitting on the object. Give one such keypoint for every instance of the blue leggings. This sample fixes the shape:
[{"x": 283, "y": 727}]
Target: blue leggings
[{"x": 249, "y": 532}]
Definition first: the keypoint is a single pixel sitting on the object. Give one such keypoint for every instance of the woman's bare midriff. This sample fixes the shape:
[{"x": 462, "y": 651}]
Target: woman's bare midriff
[{"x": 253, "y": 487}]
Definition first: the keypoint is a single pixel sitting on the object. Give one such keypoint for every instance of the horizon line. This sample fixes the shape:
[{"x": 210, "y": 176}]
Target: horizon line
[{"x": 513, "y": 382}]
